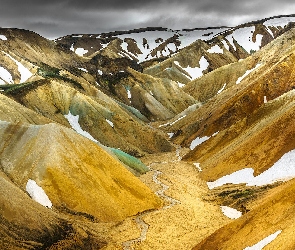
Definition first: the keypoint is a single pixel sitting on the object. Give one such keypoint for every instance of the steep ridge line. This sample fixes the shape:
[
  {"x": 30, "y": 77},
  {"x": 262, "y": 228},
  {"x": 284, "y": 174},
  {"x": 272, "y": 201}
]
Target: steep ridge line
[{"x": 141, "y": 224}]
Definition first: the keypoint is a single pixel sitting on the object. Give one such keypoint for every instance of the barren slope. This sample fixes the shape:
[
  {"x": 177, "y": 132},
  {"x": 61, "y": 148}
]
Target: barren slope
[
  {"x": 273, "y": 214},
  {"x": 75, "y": 173}
]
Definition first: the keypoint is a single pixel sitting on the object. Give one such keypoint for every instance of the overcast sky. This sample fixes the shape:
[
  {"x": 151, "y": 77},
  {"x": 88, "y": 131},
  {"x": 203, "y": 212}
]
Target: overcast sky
[{"x": 54, "y": 18}]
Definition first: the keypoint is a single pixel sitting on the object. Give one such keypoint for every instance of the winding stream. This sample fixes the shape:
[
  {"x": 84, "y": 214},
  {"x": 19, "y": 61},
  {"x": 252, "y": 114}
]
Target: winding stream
[
  {"x": 141, "y": 224},
  {"x": 143, "y": 227},
  {"x": 160, "y": 192}
]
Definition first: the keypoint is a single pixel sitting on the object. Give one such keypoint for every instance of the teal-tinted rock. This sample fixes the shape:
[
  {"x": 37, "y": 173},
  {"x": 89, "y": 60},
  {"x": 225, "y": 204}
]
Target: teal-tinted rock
[{"x": 130, "y": 161}]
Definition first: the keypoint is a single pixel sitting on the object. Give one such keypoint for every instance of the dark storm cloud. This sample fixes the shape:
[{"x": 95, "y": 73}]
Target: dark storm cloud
[{"x": 59, "y": 17}]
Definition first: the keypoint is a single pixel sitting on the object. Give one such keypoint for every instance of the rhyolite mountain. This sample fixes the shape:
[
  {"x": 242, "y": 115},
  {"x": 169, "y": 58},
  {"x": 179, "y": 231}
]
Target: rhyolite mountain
[{"x": 87, "y": 117}]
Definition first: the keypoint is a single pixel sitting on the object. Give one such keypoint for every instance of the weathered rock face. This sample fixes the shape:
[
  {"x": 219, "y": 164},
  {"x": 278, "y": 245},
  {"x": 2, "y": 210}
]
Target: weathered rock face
[
  {"x": 157, "y": 99},
  {"x": 55, "y": 157}
]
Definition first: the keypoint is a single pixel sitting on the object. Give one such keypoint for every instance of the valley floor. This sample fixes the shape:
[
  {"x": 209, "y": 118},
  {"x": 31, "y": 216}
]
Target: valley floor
[{"x": 183, "y": 221}]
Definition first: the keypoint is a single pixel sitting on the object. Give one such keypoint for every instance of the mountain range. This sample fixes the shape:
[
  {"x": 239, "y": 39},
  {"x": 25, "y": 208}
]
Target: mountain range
[{"x": 150, "y": 138}]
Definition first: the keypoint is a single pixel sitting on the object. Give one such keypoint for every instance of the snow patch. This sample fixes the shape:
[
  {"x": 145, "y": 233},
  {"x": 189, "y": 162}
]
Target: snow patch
[
  {"x": 281, "y": 21},
  {"x": 177, "y": 63},
  {"x": 215, "y": 49},
  {"x": 197, "y": 165},
  {"x": 85, "y": 70},
  {"x": 261, "y": 244},
  {"x": 166, "y": 51},
  {"x": 151, "y": 37},
  {"x": 5, "y": 75},
  {"x": 188, "y": 37},
  {"x": 198, "y": 141},
  {"x": 238, "y": 177},
  {"x": 124, "y": 46},
  {"x": 109, "y": 122},
  {"x": 2, "y": 37},
  {"x": 170, "y": 135},
  {"x": 37, "y": 193},
  {"x": 243, "y": 36},
  {"x": 74, "y": 122},
  {"x": 247, "y": 73},
  {"x": 128, "y": 94},
  {"x": 104, "y": 45},
  {"x": 81, "y": 51},
  {"x": 282, "y": 170},
  {"x": 180, "y": 85},
  {"x": 269, "y": 31},
  {"x": 171, "y": 47},
  {"x": 219, "y": 91},
  {"x": 230, "y": 39},
  {"x": 231, "y": 212},
  {"x": 171, "y": 123},
  {"x": 178, "y": 119},
  {"x": 264, "y": 99},
  {"x": 24, "y": 72},
  {"x": 197, "y": 71},
  {"x": 225, "y": 45}
]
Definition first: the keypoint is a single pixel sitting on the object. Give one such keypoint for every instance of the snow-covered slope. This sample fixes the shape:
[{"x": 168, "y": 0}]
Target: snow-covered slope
[
  {"x": 157, "y": 42},
  {"x": 141, "y": 44}
]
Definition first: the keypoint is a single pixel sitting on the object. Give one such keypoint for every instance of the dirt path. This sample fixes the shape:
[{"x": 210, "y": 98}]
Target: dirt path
[{"x": 184, "y": 220}]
